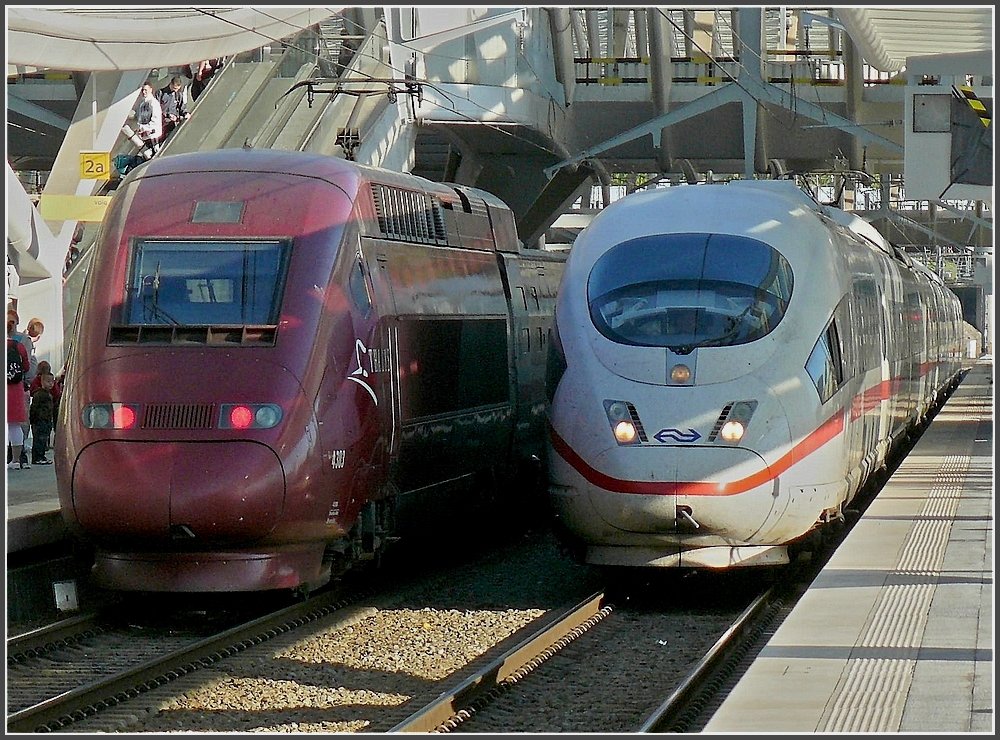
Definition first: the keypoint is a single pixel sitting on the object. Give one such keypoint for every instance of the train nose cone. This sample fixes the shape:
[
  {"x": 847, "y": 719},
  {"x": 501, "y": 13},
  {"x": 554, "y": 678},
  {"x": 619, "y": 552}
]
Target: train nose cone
[
  {"x": 207, "y": 491},
  {"x": 709, "y": 483}
]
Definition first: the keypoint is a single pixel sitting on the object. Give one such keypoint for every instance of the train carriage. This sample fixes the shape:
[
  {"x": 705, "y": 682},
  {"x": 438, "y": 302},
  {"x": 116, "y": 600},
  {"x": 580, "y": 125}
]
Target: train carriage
[
  {"x": 277, "y": 352},
  {"x": 734, "y": 361}
]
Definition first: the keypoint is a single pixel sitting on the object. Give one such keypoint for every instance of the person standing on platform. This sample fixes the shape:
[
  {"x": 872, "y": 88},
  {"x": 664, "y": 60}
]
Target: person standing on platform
[
  {"x": 35, "y": 329},
  {"x": 149, "y": 121},
  {"x": 17, "y": 412},
  {"x": 203, "y": 72},
  {"x": 30, "y": 371},
  {"x": 41, "y": 414},
  {"x": 27, "y": 343},
  {"x": 173, "y": 106},
  {"x": 43, "y": 368}
]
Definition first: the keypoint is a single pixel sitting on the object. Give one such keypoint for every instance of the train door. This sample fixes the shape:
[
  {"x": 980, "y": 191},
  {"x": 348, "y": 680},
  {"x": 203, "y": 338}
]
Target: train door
[
  {"x": 383, "y": 350},
  {"x": 880, "y": 418},
  {"x": 893, "y": 343},
  {"x": 531, "y": 287},
  {"x": 850, "y": 358},
  {"x": 519, "y": 342},
  {"x": 869, "y": 343}
]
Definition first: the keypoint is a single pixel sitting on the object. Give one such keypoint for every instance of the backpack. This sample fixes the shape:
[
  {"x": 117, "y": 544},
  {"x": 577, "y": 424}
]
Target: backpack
[{"x": 15, "y": 368}]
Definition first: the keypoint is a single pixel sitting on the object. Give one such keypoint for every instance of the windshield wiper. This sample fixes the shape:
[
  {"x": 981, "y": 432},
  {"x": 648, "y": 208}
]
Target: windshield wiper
[
  {"x": 153, "y": 302},
  {"x": 686, "y": 349}
]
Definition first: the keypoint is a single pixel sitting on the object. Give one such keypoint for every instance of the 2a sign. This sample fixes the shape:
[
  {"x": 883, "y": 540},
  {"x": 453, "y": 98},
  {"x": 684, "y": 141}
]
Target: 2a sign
[{"x": 95, "y": 165}]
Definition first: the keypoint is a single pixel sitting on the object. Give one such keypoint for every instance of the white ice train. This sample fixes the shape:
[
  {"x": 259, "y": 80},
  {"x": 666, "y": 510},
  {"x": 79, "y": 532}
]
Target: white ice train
[{"x": 733, "y": 362}]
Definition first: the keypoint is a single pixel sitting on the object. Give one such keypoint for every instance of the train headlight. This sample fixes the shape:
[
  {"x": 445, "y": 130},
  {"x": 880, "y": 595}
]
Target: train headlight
[
  {"x": 732, "y": 431},
  {"x": 733, "y": 421},
  {"x": 680, "y": 374},
  {"x": 110, "y": 415},
  {"x": 625, "y": 432},
  {"x": 249, "y": 415},
  {"x": 625, "y": 424}
]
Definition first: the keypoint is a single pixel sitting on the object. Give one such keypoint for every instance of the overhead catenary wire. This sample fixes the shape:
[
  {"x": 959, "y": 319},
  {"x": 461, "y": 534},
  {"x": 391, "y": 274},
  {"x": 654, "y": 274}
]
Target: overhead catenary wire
[{"x": 454, "y": 109}]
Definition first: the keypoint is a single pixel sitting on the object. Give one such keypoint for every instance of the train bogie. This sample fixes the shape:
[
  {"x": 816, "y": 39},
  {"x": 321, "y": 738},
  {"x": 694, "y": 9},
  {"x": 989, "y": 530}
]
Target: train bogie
[
  {"x": 275, "y": 350},
  {"x": 734, "y": 363}
]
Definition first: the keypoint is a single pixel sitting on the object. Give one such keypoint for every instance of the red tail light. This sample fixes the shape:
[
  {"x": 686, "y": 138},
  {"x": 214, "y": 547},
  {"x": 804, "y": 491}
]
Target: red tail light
[
  {"x": 249, "y": 415},
  {"x": 124, "y": 417},
  {"x": 240, "y": 417}
]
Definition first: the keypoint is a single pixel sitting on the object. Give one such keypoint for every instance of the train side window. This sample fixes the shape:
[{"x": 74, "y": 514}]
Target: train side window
[
  {"x": 452, "y": 364},
  {"x": 865, "y": 318},
  {"x": 524, "y": 298},
  {"x": 525, "y": 340},
  {"x": 850, "y": 351},
  {"x": 534, "y": 295},
  {"x": 836, "y": 354},
  {"x": 825, "y": 364},
  {"x": 359, "y": 289}
]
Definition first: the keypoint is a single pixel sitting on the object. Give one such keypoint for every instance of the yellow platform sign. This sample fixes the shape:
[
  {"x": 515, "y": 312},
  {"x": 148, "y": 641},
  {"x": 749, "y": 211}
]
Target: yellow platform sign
[
  {"x": 73, "y": 207},
  {"x": 95, "y": 165}
]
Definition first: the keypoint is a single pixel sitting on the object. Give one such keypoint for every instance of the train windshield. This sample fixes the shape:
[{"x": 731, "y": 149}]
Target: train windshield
[
  {"x": 683, "y": 291},
  {"x": 205, "y": 283}
]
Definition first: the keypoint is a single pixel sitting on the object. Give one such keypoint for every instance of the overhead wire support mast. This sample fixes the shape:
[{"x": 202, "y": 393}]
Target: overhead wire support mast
[{"x": 395, "y": 86}]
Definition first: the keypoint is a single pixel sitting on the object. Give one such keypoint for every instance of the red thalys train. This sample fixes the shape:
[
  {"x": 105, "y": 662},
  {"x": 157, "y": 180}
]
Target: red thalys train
[{"x": 276, "y": 353}]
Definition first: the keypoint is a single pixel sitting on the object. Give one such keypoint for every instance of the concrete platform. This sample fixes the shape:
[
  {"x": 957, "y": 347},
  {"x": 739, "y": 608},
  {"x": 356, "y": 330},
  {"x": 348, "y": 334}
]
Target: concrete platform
[
  {"x": 896, "y": 633},
  {"x": 33, "y": 517}
]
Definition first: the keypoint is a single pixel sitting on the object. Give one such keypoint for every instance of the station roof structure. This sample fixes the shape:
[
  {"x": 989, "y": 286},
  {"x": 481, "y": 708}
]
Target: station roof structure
[{"x": 96, "y": 39}]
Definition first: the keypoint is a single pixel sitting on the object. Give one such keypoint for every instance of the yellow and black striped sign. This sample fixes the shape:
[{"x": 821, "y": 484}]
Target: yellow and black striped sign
[{"x": 965, "y": 92}]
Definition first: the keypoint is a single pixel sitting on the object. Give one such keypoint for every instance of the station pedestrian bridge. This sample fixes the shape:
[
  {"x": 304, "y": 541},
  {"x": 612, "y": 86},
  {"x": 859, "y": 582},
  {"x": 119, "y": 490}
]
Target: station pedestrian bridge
[{"x": 541, "y": 106}]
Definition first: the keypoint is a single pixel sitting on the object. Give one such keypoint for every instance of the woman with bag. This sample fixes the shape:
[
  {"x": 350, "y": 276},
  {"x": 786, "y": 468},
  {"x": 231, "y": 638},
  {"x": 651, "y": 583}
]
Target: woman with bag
[{"x": 17, "y": 412}]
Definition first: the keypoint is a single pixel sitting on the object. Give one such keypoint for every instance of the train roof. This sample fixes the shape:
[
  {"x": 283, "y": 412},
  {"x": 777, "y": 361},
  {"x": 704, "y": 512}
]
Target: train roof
[
  {"x": 716, "y": 207},
  {"x": 781, "y": 190},
  {"x": 784, "y": 188},
  {"x": 247, "y": 161},
  {"x": 395, "y": 196},
  {"x": 849, "y": 220},
  {"x": 344, "y": 173},
  {"x": 306, "y": 164}
]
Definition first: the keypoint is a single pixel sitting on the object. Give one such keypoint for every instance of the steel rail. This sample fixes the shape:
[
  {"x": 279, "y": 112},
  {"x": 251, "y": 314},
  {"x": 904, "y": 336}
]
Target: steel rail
[
  {"x": 83, "y": 701},
  {"x": 455, "y": 702}
]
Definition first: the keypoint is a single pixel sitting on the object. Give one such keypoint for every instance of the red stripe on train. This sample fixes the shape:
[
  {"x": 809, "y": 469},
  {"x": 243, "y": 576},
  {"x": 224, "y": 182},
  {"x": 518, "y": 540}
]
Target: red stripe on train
[{"x": 816, "y": 439}]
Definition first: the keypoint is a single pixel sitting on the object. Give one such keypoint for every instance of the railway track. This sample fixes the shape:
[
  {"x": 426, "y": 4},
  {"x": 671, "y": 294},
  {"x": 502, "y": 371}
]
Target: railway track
[
  {"x": 608, "y": 682},
  {"x": 507, "y": 640},
  {"x": 38, "y": 641},
  {"x": 456, "y": 705},
  {"x": 56, "y": 698},
  {"x": 103, "y": 670},
  {"x": 611, "y": 681},
  {"x": 51, "y": 681}
]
